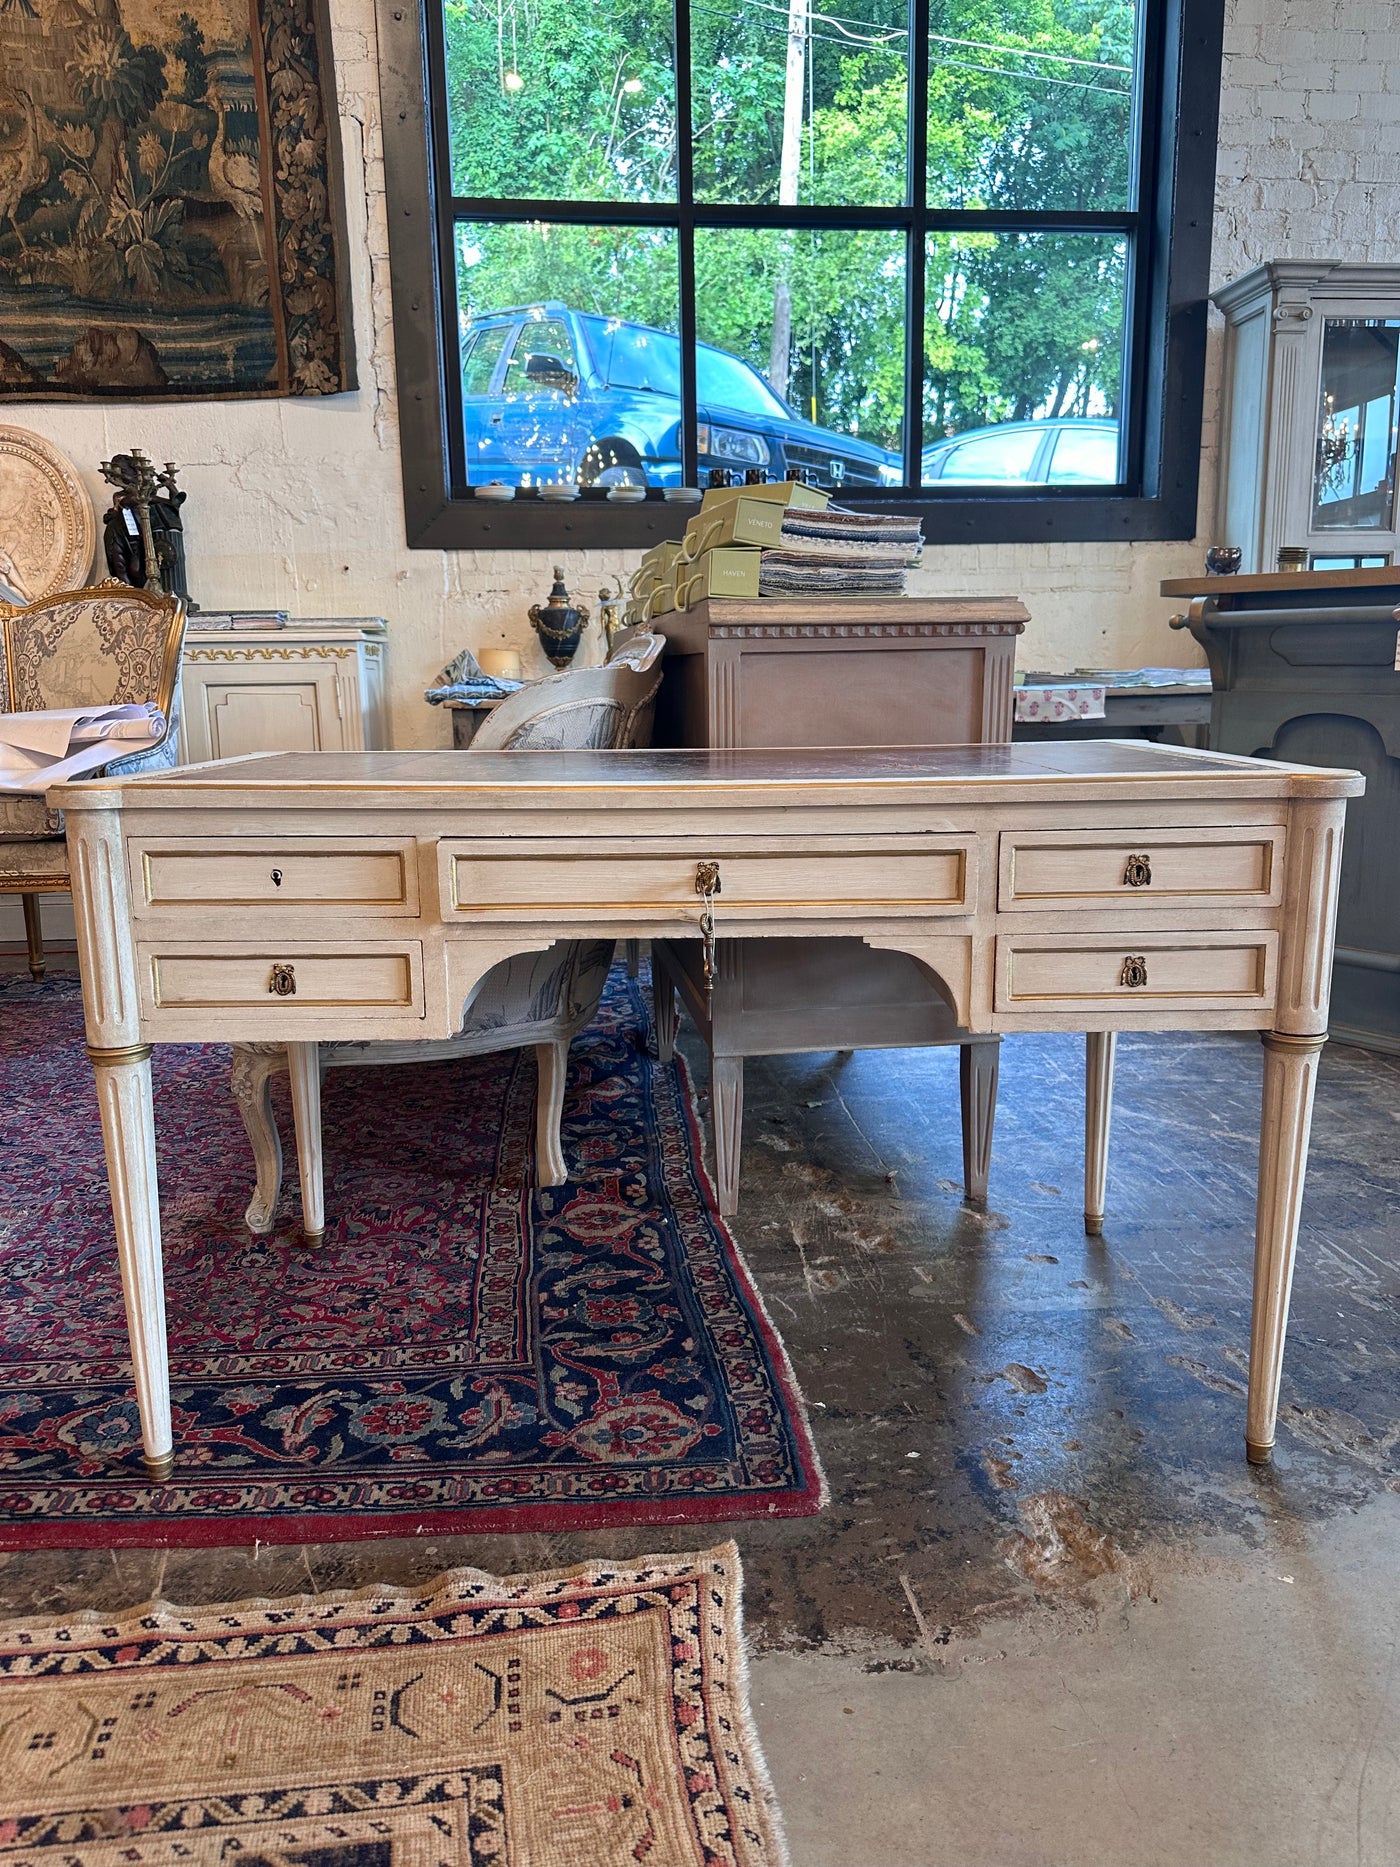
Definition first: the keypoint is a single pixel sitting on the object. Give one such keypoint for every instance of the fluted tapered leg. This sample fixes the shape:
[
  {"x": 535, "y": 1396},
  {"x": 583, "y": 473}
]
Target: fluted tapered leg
[
  {"x": 129, "y": 1138},
  {"x": 666, "y": 1011},
  {"x": 727, "y": 1101},
  {"x": 1100, "y": 1055},
  {"x": 33, "y": 935},
  {"x": 304, "y": 1069},
  {"x": 1290, "y": 1077},
  {"x": 979, "y": 1064}
]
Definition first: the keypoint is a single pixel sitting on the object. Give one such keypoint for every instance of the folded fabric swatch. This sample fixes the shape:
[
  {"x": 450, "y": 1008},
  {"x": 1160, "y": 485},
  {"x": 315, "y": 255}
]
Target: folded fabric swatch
[
  {"x": 465, "y": 679},
  {"x": 785, "y": 573},
  {"x": 893, "y": 537}
]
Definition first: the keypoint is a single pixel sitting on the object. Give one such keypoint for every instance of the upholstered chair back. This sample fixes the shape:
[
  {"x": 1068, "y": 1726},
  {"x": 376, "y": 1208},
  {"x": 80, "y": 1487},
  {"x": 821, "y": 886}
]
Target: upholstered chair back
[
  {"x": 108, "y": 645},
  {"x": 583, "y": 709}
]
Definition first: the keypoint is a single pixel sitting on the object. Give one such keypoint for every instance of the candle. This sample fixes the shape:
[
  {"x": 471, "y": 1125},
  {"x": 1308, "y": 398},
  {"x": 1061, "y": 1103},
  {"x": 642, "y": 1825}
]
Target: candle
[{"x": 502, "y": 664}]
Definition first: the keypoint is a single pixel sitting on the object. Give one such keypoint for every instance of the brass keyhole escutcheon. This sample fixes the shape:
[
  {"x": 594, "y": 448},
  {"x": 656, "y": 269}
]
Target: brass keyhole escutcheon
[
  {"x": 1138, "y": 873},
  {"x": 277, "y": 878},
  {"x": 707, "y": 886},
  {"x": 1134, "y": 971},
  {"x": 283, "y": 983}
]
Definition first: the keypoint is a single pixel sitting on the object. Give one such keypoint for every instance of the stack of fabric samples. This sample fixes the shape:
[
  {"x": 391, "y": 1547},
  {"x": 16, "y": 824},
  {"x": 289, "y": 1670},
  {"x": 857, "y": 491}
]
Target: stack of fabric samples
[
  {"x": 787, "y": 540},
  {"x": 841, "y": 553}
]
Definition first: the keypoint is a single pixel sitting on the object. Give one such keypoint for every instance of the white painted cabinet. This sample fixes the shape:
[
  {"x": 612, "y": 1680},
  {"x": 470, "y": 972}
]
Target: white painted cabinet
[
  {"x": 1308, "y": 443},
  {"x": 311, "y": 687}
]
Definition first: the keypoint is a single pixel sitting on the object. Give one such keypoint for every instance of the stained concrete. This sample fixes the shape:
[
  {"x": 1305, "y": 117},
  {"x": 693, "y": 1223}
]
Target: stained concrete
[{"x": 1050, "y": 1618}]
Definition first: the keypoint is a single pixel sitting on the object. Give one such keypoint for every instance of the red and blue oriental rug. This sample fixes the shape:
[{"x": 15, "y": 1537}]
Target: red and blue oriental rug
[{"x": 467, "y": 1352}]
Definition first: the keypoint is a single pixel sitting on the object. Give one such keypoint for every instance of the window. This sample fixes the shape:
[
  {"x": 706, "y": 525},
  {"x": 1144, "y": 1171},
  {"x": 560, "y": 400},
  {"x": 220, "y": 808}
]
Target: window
[{"x": 968, "y": 279}]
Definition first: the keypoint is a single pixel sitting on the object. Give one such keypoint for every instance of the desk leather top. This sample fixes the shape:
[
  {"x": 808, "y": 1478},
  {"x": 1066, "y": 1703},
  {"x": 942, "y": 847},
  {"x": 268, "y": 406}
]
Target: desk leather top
[{"x": 1071, "y": 764}]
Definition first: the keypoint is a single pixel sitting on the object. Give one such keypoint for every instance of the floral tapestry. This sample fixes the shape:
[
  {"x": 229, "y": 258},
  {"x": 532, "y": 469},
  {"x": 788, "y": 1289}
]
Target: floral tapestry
[{"x": 169, "y": 223}]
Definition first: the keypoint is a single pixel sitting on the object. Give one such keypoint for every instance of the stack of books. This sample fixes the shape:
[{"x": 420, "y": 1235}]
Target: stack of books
[
  {"x": 777, "y": 540},
  {"x": 238, "y": 619}
]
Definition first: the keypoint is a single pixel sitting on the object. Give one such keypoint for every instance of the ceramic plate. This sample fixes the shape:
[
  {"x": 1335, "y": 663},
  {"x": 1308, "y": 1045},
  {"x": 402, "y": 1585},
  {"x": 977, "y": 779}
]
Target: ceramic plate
[{"x": 48, "y": 529}]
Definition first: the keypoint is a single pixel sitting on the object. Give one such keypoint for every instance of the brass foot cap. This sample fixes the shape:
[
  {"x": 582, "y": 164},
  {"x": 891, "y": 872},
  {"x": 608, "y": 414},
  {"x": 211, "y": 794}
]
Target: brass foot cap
[
  {"x": 1258, "y": 1455},
  {"x": 313, "y": 1239},
  {"x": 159, "y": 1470},
  {"x": 1093, "y": 1224}
]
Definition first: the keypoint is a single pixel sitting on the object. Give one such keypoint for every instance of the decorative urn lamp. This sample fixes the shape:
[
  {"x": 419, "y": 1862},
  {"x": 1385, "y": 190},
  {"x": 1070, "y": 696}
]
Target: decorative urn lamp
[{"x": 559, "y": 623}]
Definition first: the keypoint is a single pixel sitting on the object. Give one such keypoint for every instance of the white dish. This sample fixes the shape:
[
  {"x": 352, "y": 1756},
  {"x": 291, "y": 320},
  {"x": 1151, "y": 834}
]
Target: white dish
[
  {"x": 683, "y": 495},
  {"x": 495, "y": 490},
  {"x": 627, "y": 495},
  {"x": 567, "y": 489}
]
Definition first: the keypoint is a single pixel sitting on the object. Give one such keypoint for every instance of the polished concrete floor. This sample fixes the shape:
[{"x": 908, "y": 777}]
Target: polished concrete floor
[{"x": 1050, "y": 1618}]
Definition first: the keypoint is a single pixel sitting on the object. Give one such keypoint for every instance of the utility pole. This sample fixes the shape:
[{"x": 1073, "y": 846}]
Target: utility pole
[{"x": 789, "y": 174}]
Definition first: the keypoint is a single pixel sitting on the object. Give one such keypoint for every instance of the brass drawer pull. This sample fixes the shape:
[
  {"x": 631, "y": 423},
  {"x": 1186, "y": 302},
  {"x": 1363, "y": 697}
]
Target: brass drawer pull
[
  {"x": 1134, "y": 971},
  {"x": 1138, "y": 873},
  {"x": 707, "y": 886},
  {"x": 283, "y": 983}
]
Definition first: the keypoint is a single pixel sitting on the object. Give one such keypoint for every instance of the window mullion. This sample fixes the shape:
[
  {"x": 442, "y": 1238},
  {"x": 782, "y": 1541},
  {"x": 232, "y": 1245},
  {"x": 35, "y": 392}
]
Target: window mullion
[
  {"x": 914, "y": 265},
  {"x": 685, "y": 247}
]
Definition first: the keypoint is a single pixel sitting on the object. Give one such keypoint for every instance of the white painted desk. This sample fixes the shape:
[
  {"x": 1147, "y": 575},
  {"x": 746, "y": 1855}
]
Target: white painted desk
[{"x": 1079, "y": 887}]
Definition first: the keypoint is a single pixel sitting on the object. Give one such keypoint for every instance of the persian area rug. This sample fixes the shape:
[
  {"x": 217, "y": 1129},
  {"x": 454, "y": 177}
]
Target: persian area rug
[
  {"x": 466, "y": 1352},
  {"x": 170, "y": 208},
  {"x": 593, "y": 1717}
]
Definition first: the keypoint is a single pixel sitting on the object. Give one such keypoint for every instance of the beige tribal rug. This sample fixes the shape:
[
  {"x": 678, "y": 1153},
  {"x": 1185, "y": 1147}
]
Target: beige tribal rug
[{"x": 579, "y": 1718}]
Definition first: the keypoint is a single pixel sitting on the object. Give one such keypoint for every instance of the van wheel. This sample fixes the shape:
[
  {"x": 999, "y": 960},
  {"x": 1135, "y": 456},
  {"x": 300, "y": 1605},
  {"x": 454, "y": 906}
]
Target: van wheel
[{"x": 612, "y": 463}]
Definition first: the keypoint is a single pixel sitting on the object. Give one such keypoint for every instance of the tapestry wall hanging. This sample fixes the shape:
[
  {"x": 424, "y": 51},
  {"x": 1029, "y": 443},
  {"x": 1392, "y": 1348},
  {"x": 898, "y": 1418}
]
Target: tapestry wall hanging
[{"x": 169, "y": 200}]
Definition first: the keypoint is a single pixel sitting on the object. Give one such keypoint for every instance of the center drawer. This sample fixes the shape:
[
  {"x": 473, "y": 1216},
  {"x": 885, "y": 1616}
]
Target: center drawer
[
  {"x": 372, "y": 874},
  {"x": 899, "y": 874},
  {"x": 389, "y": 978},
  {"x": 1041, "y": 869}
]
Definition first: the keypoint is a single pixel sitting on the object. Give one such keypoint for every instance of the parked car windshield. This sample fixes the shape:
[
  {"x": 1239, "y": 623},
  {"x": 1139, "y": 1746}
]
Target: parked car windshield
[{"x": 631, "y": 357}]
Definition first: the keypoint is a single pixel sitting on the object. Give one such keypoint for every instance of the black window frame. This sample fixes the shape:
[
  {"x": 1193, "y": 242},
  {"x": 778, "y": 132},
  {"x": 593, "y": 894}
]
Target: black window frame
[{"x": 1180, "y": 79}]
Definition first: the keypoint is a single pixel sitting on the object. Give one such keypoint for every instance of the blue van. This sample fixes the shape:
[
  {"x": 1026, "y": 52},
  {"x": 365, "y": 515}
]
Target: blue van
[{"x": 554, "y": 394}]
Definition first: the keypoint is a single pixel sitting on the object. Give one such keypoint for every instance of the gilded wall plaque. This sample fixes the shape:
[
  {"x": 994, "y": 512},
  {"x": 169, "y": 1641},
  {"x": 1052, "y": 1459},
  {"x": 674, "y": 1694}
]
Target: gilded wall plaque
[{"x": 48, "y": 528}]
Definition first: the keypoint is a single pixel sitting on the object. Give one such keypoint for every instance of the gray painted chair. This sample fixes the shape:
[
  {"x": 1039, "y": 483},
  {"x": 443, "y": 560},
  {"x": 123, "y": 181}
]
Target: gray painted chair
[
  {"x": 107, "y": 645},
  {"x": 542, "y": 999}
]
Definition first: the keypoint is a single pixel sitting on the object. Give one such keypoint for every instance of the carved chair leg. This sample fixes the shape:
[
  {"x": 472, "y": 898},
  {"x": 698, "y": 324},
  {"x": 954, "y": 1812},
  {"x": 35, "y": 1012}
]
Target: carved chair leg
[
  {"x": 33, "y": 935},
  {"x": 666, "y": 1011},
  {"x": 727, "y": 1102},
  {"x": 978, "y": 1067},
  {"x": 553, "y": 1062},
  {"x": 304, "y": 1068},
  {"x": 633, "y": 952},
  {"x": 1100, "y": 1054},
  {"x": 251, "y": 1082}
]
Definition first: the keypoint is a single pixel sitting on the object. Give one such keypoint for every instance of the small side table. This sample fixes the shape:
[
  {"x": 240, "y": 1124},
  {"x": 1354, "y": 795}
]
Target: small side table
[
  {"x": 468, "y": 717},
  {"x": 1172, "y": 712}
]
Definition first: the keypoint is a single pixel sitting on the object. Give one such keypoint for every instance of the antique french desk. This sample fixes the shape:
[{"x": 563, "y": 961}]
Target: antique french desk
[{"x": 1067, "y": 887}]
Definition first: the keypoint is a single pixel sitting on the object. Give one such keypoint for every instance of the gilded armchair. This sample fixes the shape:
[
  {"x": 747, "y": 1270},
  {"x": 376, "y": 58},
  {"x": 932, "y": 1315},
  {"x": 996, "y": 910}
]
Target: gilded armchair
[
  {"x": 539, "y": 999},
  {"x": 107, "y": 645}
]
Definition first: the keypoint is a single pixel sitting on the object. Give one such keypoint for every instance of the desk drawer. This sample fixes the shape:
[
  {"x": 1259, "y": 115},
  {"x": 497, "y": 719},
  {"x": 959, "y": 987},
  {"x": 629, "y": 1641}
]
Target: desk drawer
[
  {"x": 1164, "y": 971},
  {"x": 1140, "y": 868},
  {"x": 372, "y": 874},
  {"x": 901, "y": 874},
  {"x": 389, "y": 978}
]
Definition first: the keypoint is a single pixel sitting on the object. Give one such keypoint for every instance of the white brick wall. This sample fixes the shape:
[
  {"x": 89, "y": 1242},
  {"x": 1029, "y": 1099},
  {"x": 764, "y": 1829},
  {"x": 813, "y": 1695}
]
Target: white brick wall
[{"x": 298, "y": 503}]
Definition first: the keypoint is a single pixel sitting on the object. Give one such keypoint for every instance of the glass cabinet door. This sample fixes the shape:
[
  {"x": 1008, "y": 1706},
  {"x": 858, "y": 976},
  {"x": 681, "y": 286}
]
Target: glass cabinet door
[{"x": 1354, "y": 469}]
